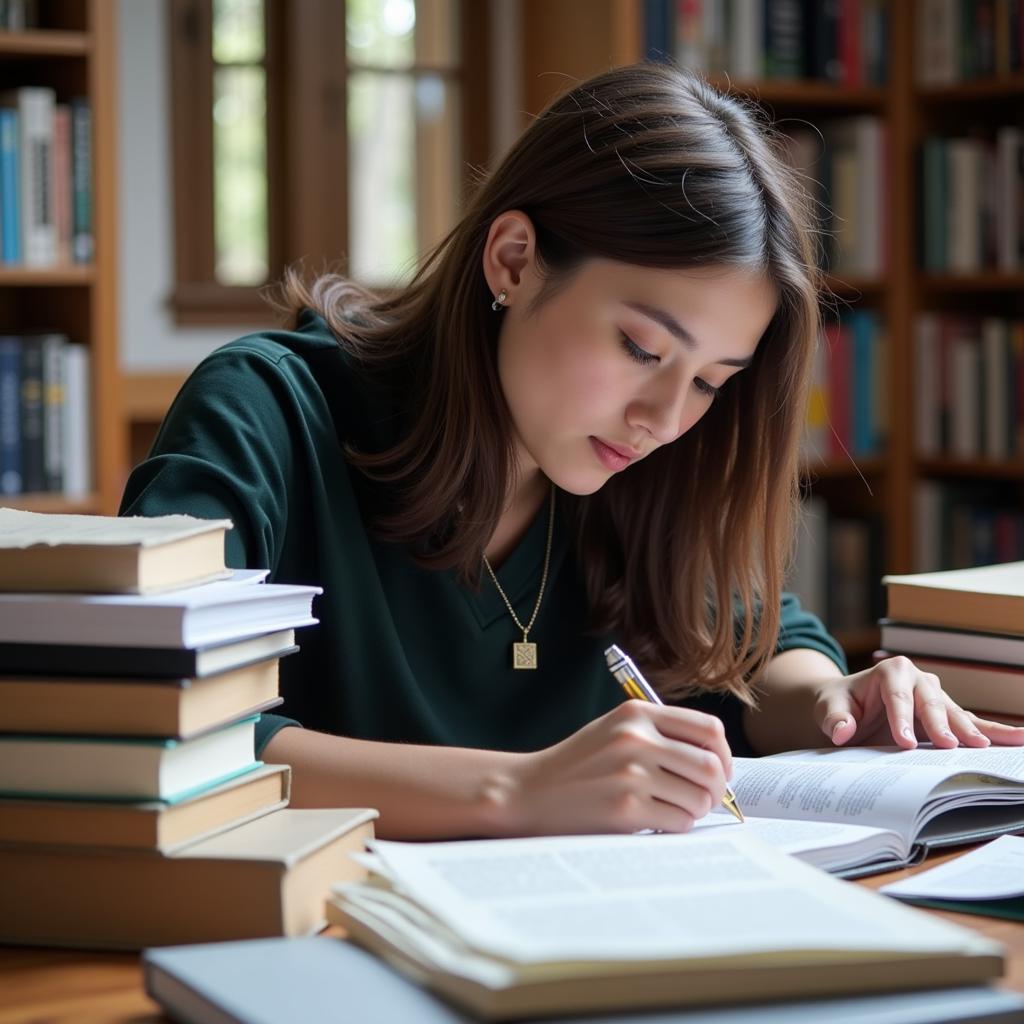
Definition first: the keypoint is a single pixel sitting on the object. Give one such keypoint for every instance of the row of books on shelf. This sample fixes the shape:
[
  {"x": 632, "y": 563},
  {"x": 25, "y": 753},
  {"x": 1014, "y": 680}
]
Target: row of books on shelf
[
  {"x": 843, "y": 164},
  {"x": 837, "y": 566},
  {"x": 45, "y": 416},
  {"x": 133, "y": 670},
  {"x": 957, "y": 40},
  {"x": 45, "y": 178},
  {"x": 751, "y": 40},
  {"x": 847, "y": 408},
  {"x": 19, "y": 15},
  {"x": 971, "y": 213},
  {"x": 969, "y": 390},
  {"x": 962, "y": 525}
]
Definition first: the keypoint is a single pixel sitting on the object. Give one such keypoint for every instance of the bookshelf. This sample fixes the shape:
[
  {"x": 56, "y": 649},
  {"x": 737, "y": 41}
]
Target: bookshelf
[
  {"x": 883, "y": 485},
  {"x": 72, "y": 52}
]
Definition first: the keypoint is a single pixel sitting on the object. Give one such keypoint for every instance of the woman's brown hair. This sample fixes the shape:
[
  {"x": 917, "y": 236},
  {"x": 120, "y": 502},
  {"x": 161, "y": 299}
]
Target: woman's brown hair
[{"x": 683, "y": 557}]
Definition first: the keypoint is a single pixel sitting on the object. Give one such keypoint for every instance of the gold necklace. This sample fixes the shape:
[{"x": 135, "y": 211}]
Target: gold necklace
[{"x": 524, "y": 655}]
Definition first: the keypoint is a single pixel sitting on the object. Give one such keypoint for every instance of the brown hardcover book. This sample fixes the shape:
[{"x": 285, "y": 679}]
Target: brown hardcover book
[
  {"x": 106, "y": 554},
  {"x": 989, "y": 598},
  {"x": 152, "y": 825},
  {"x": 264, "y": 878},
  {"x": 177, "y": 708},
  {"x": 975, "y": 685}
]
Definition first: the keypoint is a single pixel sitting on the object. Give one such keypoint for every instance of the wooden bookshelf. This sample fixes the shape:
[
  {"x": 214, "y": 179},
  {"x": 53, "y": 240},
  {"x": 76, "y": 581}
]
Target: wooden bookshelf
[
  {"x": 75, "y": 54},
  {"x": 883, "y": 486}
]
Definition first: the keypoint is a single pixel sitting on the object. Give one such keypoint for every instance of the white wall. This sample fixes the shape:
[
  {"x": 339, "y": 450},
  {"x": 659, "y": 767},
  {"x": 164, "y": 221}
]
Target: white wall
[{"x": 150, "y": 340}]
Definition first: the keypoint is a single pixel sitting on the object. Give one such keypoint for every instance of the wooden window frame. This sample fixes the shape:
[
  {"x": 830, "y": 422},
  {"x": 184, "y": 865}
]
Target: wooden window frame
[{"x": 307, "y": 157}]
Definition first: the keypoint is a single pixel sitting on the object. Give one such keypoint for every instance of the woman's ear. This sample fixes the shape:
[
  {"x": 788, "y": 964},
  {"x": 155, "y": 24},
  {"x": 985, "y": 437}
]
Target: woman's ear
[{"x": 509, "y": 253}]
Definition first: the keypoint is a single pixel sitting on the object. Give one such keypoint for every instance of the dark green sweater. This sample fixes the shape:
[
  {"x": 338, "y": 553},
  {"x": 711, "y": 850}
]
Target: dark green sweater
[{"x": 401, "y": 654}]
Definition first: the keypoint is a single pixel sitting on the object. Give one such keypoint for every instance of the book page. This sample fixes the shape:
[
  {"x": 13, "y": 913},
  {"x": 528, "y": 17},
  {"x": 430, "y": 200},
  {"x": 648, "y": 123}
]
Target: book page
[
  {"x": 1005, "y": 578},
  {"x": 884, "y": 795},
  {"x": 816, "y": 842},
  {"x": 1007, "y": 762},
  {"x": 638, "y": 898},
  {"x": 992, "y": 871},
  {"x": 20, "y": 529}
]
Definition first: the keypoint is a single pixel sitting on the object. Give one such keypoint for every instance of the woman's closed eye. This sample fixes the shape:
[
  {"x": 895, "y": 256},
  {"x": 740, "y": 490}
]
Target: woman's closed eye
[
  {"x": 645, "y": 358},
  {"x": 636, "y": 353}
]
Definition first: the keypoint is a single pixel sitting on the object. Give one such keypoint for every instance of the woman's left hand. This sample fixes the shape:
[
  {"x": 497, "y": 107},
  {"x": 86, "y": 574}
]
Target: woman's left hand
[{"x": 895, "y": 702}]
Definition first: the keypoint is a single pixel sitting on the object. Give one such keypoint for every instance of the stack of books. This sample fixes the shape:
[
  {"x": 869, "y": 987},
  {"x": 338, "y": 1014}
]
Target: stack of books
[
  {"x": 966, "y": 626},
  {"x": 133, "y": 669}
]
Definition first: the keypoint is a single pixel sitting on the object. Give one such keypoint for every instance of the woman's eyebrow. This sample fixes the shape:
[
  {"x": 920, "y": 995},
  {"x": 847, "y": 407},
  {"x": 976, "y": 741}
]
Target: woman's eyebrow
[{"x": 677, "y": 330}]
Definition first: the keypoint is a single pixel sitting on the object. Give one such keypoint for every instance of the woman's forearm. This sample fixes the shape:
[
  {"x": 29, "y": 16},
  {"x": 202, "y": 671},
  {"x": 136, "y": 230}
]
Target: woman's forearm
[
  {"x": 422, "y": 792},
  {"x": 784, "y": 718}
]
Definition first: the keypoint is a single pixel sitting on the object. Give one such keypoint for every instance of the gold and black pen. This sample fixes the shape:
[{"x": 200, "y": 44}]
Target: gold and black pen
[{"x": 632, "y": 681}]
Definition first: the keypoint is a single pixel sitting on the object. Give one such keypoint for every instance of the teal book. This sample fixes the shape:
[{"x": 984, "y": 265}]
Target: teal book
[{"x": 105, "y": 768}]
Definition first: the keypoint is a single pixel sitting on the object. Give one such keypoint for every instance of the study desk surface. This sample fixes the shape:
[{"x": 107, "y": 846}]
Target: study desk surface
[{"x": 65, "y": 986}]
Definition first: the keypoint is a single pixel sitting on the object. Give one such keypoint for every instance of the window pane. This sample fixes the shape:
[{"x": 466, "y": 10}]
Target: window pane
[
  {"x": 404, "y": 171},
  {"x": 380, "y": 32},
  {"x": 382, "y": 165},
  {"x": 240, "y": 175},
  {"x": 238, "y": 31}
]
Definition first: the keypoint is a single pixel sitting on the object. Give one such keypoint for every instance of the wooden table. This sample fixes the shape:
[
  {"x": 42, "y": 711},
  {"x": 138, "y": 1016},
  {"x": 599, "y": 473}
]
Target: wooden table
[{"x": 75, "y": 987}]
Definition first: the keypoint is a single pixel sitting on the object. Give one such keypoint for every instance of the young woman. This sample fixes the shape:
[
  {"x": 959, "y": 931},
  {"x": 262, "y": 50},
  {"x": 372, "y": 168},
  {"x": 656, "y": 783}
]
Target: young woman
[{"x": 578, "y": 426}]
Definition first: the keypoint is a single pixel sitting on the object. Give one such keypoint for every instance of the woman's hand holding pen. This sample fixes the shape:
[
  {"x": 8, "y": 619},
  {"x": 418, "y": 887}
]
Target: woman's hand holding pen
[{"x": 640, "y": 766}]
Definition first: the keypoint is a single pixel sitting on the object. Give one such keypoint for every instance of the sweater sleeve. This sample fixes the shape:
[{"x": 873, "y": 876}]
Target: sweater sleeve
[
  {"x": 798, "y": 628},
  {"x": 225, "y": 451}
]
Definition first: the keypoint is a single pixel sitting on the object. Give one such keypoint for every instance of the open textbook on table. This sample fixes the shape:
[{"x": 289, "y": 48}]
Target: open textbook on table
[
  {"x": 860, "y": 810},
  {"x": 515, "y": 928}
]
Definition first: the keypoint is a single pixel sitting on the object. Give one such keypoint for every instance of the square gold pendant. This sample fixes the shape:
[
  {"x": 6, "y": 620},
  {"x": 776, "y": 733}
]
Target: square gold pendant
[{"x": 524, "y": 655}]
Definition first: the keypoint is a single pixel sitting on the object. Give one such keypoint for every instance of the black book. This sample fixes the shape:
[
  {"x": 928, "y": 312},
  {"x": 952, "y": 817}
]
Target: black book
[{"x": 136, "y": 662}]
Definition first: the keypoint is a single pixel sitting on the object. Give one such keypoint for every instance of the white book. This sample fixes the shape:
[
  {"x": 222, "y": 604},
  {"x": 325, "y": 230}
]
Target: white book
[
  {"x": 198, "y": 616},
  {"x": 1009, "y": 172},
  {"x": 124, "y": 769},
  {"x": 35, "y": 105},
  {"x": 76, "y": 423},
  {"x": 964, "y": 644},
  {"x": 524, "y": 927}
]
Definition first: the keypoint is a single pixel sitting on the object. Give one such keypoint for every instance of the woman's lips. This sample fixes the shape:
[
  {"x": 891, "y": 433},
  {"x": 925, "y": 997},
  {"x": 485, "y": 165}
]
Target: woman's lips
[{"x": 611, "y": 458}]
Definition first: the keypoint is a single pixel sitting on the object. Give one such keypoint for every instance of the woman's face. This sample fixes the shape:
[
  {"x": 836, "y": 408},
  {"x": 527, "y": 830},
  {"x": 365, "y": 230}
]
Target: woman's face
[{"x": 621, "y": 361}]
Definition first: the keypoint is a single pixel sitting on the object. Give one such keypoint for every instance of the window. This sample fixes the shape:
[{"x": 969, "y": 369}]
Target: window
[{"x": 318, "y": 130}]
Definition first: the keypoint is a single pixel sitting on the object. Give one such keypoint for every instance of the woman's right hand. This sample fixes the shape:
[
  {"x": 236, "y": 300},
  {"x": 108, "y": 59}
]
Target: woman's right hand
[{"x": 640, "y": 766}]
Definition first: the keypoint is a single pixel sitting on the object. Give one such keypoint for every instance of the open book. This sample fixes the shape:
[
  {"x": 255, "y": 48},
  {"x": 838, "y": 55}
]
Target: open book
[
  {"x": 526, "y": 927},
  {"x": 859, "y": 810}
]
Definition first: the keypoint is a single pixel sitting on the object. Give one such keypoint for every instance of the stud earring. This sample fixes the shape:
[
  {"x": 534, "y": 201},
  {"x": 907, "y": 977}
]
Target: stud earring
[{"x": 499, "y": 301}]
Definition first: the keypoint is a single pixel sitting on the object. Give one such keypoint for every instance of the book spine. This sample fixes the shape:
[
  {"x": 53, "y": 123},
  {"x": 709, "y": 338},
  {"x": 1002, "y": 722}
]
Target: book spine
[
  {"x": 32, "y": 415},
  {"x": 53, "y": 412},
  {"x": 62, "y": 196},
  {"x": 10, "y": 186},
  {"x": 81, "y": 174},
  {"x": 76, "y": 422},
  {"x": 10, "y": 416},
  {"x": 39, "y": 232}
]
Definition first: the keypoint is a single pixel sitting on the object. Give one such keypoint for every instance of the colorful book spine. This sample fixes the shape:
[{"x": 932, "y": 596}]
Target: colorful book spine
[
  {"x": 10, "y": 415},
  {"x": 10, "y": 187},
  {"x": 81, "y": 178}
]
